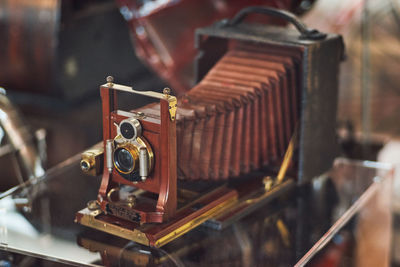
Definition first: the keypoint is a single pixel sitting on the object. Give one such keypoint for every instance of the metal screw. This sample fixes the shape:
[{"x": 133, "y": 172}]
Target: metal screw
[
  {"x": 131, "y": 199},
  {"x": 268, "y": 183},
  {"x": 110, "y": 80},
  {"x": 167, "y": 91},
  {"x": 93, "y": 205}
]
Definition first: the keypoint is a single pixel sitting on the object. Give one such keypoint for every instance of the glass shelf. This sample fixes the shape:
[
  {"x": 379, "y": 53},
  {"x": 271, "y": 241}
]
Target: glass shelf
[{"x": 38, "y": 220}]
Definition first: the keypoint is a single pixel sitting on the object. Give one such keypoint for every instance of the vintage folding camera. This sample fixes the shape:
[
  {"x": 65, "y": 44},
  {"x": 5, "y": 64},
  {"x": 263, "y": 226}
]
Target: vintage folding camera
[{"x": 259, "y": 122}]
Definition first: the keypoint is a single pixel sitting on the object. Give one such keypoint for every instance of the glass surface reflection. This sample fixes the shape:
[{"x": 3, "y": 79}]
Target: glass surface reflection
[{"x": 300, "y": 226}]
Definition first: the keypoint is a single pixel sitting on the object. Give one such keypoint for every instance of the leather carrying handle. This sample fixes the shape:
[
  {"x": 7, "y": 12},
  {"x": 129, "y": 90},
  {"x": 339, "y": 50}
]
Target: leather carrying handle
[{"x": 305, "y": 32}]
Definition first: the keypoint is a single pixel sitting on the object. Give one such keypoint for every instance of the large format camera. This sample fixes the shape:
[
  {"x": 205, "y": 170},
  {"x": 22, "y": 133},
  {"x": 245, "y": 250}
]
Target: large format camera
[{"x": 260, "y": 121}]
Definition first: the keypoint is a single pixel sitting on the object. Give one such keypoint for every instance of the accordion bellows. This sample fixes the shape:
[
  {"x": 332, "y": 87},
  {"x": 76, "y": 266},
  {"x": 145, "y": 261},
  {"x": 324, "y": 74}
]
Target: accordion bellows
[{"x": 240, "y": 116}]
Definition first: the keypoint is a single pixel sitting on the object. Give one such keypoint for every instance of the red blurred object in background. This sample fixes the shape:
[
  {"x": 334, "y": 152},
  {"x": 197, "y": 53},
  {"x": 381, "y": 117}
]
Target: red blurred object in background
[
  {"x": 29, "y": 38},
  {"x": 163, "y": 30}
]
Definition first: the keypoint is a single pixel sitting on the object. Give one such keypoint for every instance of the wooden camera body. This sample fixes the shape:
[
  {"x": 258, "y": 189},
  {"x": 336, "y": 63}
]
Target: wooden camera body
[
  {"x": 140, "y": 138},
  {"x": 259, "y": 121}
]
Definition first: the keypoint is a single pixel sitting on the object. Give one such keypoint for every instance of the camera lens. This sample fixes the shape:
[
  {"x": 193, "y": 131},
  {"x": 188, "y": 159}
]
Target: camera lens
[
  {"x": 127, "y": 130},
  {"x": 124, "y": 160}
]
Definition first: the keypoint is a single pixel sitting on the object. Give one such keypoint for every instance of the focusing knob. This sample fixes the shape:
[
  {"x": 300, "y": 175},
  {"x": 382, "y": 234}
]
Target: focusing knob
[{"x": 85, "y": 165}]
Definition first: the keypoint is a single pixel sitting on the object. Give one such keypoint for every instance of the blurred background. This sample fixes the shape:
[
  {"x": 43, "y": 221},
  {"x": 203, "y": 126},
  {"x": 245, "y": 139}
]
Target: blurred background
[
  {"x": 369, "y": 89},
  {"x": 54, "y": 54}
]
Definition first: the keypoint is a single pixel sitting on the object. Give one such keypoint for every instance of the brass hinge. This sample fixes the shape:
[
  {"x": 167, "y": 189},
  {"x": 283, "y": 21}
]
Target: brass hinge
[{"x": 172, "y": 103}]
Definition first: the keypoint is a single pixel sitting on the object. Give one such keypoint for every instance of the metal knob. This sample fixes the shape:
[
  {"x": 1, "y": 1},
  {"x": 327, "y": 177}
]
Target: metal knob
[
  {"x": 85, "y": 165},
  {"x": 110, "y": 81}
]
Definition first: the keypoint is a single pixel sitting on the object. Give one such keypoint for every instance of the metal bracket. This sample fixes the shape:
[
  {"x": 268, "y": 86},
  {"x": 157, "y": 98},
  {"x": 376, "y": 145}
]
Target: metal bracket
[
  {"x": 172, "y": 108},
  {"x": 172, "y": 101}
]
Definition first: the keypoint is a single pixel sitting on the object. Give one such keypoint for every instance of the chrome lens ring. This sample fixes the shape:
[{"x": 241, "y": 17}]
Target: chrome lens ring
[{"x": 130, "y": 129}]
